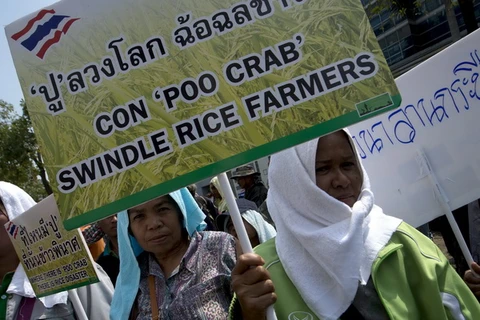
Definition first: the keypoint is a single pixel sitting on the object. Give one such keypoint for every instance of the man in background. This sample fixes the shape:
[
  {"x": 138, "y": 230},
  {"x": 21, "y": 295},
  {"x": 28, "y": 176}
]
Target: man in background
[
  {"x": 109, "y": 258},
  {"x": 248, "y": 179}
]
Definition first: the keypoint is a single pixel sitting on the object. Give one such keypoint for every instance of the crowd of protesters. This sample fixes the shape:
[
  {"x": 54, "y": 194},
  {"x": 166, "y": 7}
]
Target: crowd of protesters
[{"x": 323, "y": 250}]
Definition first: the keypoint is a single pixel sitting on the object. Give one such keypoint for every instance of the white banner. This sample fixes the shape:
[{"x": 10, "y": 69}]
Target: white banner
[{"x": 440, "y": 114}]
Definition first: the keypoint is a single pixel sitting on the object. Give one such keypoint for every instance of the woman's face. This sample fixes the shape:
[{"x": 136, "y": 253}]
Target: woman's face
[
  {"x": 251, "y": 232},
  {"x": 241, "y": 182},
  {"x": 156, "y": 225},
  {"x": 214, "y": 191},
  {"x": 336, "y": 169},
  {"x": 109, "y": 226}
]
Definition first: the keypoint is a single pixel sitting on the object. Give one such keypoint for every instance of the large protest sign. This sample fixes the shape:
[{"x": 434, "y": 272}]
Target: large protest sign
[
  {"x": 131, "y": 99},
  {"x": 53, "y": 258},
  {"x": 439, "y": 116}
]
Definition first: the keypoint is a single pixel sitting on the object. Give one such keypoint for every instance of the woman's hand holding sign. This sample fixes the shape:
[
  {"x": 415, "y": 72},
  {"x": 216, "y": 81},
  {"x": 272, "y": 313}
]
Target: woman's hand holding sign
[
  {"x": 473, "y": 280},
  {"x": 253, "y": 286}
]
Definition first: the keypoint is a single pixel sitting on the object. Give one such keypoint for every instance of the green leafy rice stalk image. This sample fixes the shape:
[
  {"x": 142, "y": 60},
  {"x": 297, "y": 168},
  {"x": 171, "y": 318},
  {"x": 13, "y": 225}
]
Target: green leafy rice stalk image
[{"x": 333, "y": 30}]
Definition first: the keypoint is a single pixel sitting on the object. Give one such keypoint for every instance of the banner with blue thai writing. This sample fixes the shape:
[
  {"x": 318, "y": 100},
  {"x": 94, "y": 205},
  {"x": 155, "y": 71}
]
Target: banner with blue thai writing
[
  {"x": 440, "y": 114},
  {"x": 53, "y": 258},
  {"x": 132, "y": 99}
]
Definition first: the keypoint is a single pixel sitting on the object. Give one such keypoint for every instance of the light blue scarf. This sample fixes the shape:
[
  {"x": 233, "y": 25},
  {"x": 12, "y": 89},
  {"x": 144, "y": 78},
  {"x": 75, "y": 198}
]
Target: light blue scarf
[{"x": 129, "y": 278}]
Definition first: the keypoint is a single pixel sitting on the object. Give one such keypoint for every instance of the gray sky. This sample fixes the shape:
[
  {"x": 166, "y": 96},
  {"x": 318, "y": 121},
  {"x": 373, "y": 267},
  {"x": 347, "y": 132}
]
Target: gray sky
[{"x": 10, "y": 11}]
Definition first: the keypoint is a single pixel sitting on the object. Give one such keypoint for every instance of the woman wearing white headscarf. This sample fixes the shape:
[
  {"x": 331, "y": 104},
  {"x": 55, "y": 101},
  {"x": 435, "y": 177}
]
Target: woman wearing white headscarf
[
  {"x": 258, "y": 230},
  {"x": 17, "y": 298},
  {"x": 336, "y": 254},
  {"x": 219, "y": 198}
]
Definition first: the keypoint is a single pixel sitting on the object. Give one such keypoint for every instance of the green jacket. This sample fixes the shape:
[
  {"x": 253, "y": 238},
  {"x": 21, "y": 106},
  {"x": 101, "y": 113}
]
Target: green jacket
[{"x": 412, "y": 277}]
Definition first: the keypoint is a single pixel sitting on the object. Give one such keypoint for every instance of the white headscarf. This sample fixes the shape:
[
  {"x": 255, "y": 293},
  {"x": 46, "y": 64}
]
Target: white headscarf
[
  {"x": 222, "y": 204},
  {"x": 265, "y": 230},
  {"x": 325, "y": 246},
  {"x": 16, "y": 202}
]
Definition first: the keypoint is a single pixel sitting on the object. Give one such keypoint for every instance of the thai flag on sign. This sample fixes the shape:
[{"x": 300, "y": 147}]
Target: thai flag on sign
[
  {"x": 12, "y": 229},
  {"x": 43, "y": 31}
]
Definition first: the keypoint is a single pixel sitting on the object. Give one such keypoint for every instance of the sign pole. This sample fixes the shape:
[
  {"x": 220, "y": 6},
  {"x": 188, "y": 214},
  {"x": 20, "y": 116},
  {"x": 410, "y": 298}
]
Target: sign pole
[
  {"x": 239, "y": 226},
  {"x": 426, "y": 169}
]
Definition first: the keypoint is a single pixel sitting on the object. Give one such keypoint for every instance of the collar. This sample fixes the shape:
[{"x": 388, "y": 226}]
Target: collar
[
  {"x": 190, "y": 257},
  {"x": 256, "y": 183},
  {"x": 108, "y": 251},
  {"x": 6, "y": 282}
]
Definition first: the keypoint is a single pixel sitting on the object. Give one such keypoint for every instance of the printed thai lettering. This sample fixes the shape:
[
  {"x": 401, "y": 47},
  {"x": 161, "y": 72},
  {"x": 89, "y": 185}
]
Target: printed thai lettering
[
  {"x": 135, "y": 56},
  {"x": 262, "y": 8},
  {"x": 76, "y": 82},
  {"x": 189, "y": 32},
  {"x": 242, "y": 15},
  {"x": 222, "y": 22},
  {"x": 113, "y": 45},
  {"x": 50, "y": 92}
]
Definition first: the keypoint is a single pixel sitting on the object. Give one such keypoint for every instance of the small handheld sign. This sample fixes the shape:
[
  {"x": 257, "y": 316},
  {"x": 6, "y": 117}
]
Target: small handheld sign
[{"x": 53, "y": 258}]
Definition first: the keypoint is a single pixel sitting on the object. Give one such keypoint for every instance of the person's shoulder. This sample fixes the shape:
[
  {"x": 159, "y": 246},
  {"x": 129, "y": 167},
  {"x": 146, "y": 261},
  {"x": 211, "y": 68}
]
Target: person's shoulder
[
  {"x": 201, "y": 199},
  {"x": 267, "y": 251},
  {"x": 214, "y": 238},
  {"x": 260, "y": 185},
  {"x": 407, "y": 232},
  {"x": 215, "y": 244},
  {"x": 413, "y": 240}
]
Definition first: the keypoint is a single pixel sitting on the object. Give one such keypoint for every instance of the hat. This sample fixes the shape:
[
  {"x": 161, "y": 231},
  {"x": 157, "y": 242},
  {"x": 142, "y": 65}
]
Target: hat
[
  {"x": 244, "y": 171},
  {"x": 243, "y": 206}
]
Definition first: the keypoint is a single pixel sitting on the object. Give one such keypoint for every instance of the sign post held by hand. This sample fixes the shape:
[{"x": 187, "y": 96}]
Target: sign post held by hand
[
  {"x": 239, "y": 226},
  {"x": 426, "y": 171}
]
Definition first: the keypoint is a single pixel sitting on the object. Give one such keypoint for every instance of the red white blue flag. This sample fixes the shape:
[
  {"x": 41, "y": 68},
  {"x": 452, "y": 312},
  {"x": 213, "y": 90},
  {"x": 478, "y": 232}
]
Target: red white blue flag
[
  {"x": 12, "y": 229},
  {"x": 43, "y": 31}
]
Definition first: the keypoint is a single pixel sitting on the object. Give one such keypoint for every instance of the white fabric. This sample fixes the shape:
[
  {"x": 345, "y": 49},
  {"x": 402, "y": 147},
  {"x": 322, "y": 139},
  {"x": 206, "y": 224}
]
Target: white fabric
[
  {"x": 16, "y": 202},
  {"x": 325, "y": 246},
  {"x": 222, "y": 204},
  {"x": 453, "y": 305},
  {"x": 265, "y": 230}
]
